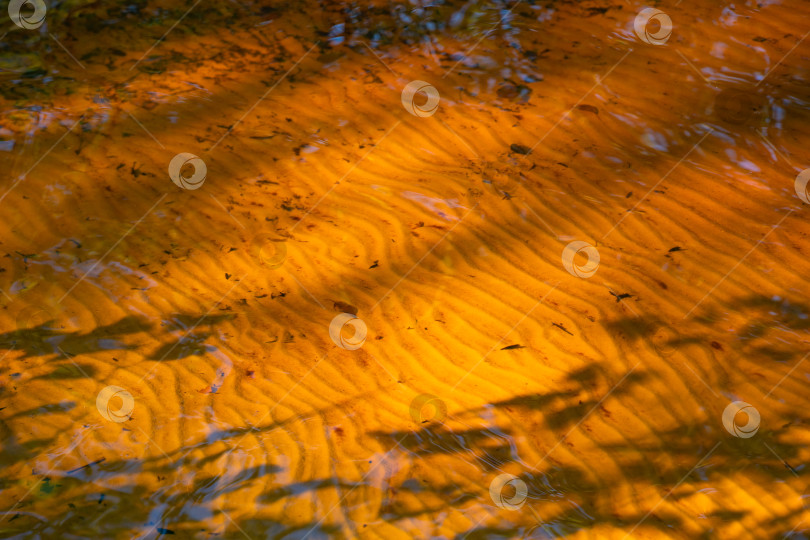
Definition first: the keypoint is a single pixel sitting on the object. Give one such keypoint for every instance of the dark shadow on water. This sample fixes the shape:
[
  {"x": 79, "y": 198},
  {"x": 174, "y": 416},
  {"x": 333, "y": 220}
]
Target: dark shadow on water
[
  {"x": 657, "y": 461},
  {"x": 46, "y": 338},
  {"x": 769, "y": 323}
]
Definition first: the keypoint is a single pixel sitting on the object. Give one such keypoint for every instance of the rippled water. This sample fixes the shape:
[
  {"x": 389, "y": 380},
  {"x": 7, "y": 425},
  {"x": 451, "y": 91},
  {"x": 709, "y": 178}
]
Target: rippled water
[{"x": 404, "y": 270}]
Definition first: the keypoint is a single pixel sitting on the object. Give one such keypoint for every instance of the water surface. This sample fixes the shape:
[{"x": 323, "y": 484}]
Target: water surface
[{"x": 600, "y": 389}]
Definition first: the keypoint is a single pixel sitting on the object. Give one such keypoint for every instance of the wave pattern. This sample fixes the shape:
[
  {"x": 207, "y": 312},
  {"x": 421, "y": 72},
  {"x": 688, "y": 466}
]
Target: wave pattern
[{"x": 444, "y": 236}]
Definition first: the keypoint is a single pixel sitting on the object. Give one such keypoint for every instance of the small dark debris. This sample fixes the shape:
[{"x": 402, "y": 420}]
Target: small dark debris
[
  {"x": 520, "y": 149},
  {"x": 375, "y": 265},
  {"x": 588, "y": 108},
  {"x": 134, "y": 171},
  {"x": 510, "y": 347},
  {"x": 96, "y": 462},
  {"x": 344, "y": 307},
  {"x": 676, "y": 248},
  {"x": 561, "y": 327},
  {"x": 209, "y": 389},
  {"x": 620, "y": 297}
]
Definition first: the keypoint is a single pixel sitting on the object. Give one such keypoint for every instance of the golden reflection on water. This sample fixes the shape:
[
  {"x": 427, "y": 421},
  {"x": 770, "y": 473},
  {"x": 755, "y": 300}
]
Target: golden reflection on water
[{"x": 363, "y": 320}]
